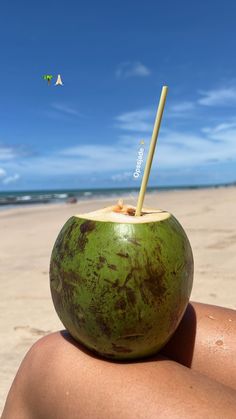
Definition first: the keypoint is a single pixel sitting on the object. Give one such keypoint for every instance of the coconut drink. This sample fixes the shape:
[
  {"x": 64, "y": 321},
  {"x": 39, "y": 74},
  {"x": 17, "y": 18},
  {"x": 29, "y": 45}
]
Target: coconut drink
[
  {"x": 120, "y": 284},
  {"x": 121, "y": 276}
]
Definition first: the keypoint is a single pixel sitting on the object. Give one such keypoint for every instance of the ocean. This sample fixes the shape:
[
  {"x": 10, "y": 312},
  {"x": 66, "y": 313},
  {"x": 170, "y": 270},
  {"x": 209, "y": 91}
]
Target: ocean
[{"x": 13, "y": 199}]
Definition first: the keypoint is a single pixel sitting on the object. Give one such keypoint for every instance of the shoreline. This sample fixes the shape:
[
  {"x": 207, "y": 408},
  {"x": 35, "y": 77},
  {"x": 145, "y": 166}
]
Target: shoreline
[
  {"x": 14, "y": 199},
  {"x": 4, "y": 210}
]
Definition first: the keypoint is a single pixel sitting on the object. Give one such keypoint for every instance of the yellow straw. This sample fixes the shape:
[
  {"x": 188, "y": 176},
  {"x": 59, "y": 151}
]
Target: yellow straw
[{"x": 151, "y": 150}]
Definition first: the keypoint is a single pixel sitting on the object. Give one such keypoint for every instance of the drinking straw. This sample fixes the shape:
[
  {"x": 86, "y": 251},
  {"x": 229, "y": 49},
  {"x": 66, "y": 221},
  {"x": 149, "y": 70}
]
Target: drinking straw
[{"x": 151, "y": 150}]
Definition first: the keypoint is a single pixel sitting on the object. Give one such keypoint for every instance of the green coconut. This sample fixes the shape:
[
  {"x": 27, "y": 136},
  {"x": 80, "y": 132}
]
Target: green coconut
[{"x": 121, "y": 283}]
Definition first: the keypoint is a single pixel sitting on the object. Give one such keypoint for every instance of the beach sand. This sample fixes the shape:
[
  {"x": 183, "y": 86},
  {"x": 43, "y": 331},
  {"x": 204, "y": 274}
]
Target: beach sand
[{"x": 27, "y": 237}]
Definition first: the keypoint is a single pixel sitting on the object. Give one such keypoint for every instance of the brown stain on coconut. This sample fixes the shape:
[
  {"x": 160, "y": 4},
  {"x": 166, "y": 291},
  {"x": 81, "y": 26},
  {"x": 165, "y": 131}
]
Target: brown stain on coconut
[
  {"x": 63, "y": 240},
  {"x": 85, "y": 228},
  {"x": 120, "y": 304},
  {"x": 154, "y": 284},
  {"x": 132, "y": 337},
  {"x": 78, "y": 314},
  {"x": 72, "y": 278},
  {"x": 123, "y": 255},
  {"x": 103, "y": 326},
  {"x": 131, "y": 297},
  {"x": 102, "y": 260},
  {"x": 112, "y": 267},
  {"x": 133, "y": 241},
  {"x": 129, "y": 292},
  {"x": 121, "y": 349}
]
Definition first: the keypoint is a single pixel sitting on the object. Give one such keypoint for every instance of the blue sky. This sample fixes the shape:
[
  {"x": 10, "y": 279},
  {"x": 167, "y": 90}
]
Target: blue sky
[{"x": 113, "y": 58}]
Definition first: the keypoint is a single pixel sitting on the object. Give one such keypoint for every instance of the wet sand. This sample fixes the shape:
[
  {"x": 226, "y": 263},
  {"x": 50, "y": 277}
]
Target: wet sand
[{"x": 28, "y": 234}]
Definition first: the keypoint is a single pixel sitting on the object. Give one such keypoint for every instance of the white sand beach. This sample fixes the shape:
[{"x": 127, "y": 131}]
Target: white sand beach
[{"x": 27, "y": 237}]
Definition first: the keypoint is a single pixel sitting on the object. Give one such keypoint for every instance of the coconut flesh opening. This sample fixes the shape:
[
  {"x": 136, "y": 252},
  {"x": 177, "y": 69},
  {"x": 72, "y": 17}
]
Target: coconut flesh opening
[{"x": 121, "y": 213}]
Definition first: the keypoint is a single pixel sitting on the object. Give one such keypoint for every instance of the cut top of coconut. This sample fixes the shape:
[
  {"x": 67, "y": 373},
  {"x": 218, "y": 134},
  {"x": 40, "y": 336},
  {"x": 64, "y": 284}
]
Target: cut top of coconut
[{"x": 125, "y": 214}]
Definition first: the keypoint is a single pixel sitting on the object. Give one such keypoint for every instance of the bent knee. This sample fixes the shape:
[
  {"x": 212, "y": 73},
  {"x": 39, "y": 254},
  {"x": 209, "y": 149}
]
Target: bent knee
[
  {"x": 53, "y": 363},
  {"x": 18, "y": 402},
  {"x": 45, "y": 354},
  {"x": 44, "y": 345},
  {"x": 35, "y": 375},
  {"x": 38, "y": 362},
  {"x": 52, "y": 356}
]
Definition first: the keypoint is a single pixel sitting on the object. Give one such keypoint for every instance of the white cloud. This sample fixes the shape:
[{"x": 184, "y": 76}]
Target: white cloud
[
  {"x": 82, "y": 160},
  {"x": 182, "y": 149},
  {"x": 181, "y": 108},
  {"x": 12, "y": 152},
  {"x": 11, "y": 179},
  {"x": 175, "y": 150},
  {"x": 62, "y": 107},
  {"x": 132, "y": 69},
  {"x": 141, "y": 120},
  {"x": 94, "y": 151},
  {"x": 218, "y": 97},
  {"x": 121, "y": 176},
  {"x": 225, "y": 134},
  {"x": 191, "y": 150},
  {"x": 7, "y": 153},
  {"x": 2, "y": 172},
  {"x": 95, "y": 157},
  {"x": 220, "y": 128}
]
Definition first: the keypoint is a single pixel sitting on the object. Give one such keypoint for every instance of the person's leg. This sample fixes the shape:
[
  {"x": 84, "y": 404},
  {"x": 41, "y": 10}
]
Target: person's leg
[
  {"x": 206, "y": 342},
  {"x": 59, "y": 379}
]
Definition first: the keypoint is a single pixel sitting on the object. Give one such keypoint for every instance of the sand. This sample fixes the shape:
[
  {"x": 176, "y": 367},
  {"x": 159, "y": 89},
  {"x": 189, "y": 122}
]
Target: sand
[{"x": 27, "y": 237}]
